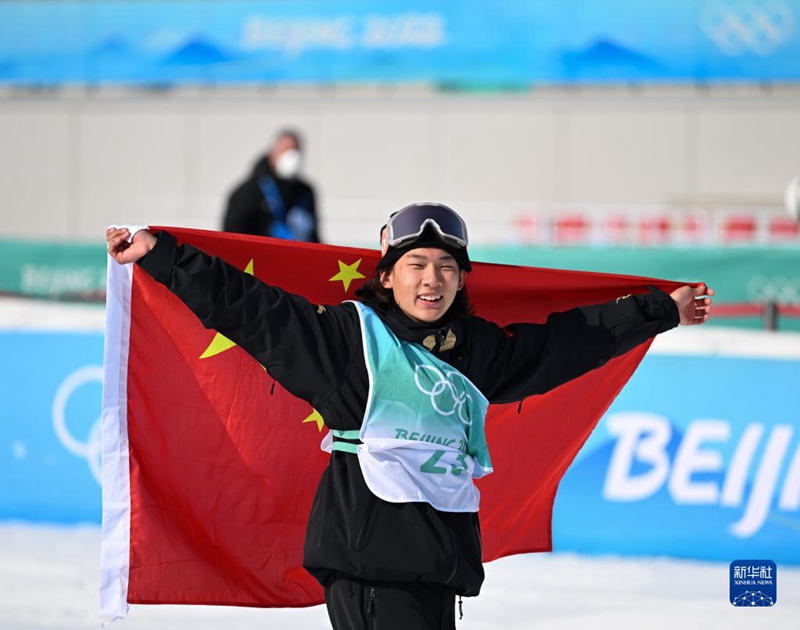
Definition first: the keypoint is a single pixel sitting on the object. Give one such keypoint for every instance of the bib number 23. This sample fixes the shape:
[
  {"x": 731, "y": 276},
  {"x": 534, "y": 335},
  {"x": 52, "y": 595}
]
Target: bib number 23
[{"x": 432, "y": 465}]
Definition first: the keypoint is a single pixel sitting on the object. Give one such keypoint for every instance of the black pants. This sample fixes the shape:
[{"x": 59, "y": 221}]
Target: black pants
[{"x": 356, "y": 605}]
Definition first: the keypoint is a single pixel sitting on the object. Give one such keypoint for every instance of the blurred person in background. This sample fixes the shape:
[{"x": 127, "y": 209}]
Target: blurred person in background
[{"x": 275, "y": 200}]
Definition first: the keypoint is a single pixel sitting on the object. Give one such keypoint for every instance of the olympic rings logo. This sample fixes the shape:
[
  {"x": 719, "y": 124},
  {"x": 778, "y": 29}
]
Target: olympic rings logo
[
  {"x": 782, "y": 289},
  {"x": 739, "y": 26},
  {"x": 91, "y": 448},
  {"x": 444, "y": 385}
]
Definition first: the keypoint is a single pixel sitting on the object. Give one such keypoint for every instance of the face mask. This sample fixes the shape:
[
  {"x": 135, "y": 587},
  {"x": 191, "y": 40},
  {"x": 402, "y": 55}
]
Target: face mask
[{"x": 287, "y": 166}]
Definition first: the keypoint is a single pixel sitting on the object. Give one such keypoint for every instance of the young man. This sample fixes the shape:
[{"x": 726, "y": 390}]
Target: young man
[{"x": 402, "y": 378}]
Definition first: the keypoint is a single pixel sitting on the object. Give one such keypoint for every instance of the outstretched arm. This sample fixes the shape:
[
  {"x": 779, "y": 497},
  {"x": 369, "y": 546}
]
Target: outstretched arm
[
  {"x": 301, "y": 347},
  {"x": 534, "y": 358}
]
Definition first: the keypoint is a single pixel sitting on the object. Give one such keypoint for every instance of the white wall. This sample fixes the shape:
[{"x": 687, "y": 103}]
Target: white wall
[{"x": 73, "y": 162}]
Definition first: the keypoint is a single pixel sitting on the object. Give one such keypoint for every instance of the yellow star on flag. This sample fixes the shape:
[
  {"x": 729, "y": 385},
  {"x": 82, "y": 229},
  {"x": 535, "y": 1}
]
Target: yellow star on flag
[
  {"x": 348, "y": 273},
  {"x": 315, "y": 417},
  {"x": 220, "y": 343}
]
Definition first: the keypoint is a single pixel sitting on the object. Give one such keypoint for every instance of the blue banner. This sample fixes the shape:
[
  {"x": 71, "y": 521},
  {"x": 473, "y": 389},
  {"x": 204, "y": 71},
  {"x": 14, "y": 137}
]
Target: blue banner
[
  {"x": 699, "y": 457},
  {"x": 461, "y": 43}
]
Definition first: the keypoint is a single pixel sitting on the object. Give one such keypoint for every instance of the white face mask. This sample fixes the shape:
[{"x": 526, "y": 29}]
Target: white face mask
[{"x": 288, "y": 165}]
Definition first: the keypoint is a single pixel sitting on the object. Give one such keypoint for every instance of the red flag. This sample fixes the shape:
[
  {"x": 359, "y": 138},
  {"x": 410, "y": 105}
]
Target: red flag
[{"x": 210, "y": 466}]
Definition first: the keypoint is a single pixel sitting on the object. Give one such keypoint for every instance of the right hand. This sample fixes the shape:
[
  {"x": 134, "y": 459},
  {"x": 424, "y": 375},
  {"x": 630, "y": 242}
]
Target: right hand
[
  {"x": 694, "y": 303},
  {"x": 124, "y": 252}
]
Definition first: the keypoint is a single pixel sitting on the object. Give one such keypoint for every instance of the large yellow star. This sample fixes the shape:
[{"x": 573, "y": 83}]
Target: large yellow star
[
  {"x": 348, "y": 273},
  {"x": 220, "y": 343},
  {"x": 315, "y": 417}
]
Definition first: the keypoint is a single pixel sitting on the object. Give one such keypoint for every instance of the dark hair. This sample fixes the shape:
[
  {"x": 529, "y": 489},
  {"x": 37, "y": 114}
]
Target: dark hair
[
  {"x": 293, "y": 134},
  {"x": 374, "y": 294}
]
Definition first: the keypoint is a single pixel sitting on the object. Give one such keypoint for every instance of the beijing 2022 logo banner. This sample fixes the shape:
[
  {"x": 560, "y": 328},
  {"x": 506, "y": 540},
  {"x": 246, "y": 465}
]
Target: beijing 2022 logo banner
[
  {"x": 698, "y": 457},
  {"x": 445, "y": 42}
]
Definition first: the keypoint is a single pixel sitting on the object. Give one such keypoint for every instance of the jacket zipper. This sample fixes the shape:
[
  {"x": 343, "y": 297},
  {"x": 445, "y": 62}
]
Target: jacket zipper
[{"x": 372, "y": 608}]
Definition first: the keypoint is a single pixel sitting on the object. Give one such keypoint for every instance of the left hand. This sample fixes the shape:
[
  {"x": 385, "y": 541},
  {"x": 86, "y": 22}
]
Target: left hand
[{"x": 694, "y": 303}]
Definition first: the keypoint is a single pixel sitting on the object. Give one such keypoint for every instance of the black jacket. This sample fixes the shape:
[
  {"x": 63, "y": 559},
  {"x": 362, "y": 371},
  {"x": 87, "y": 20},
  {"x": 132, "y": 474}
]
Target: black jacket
[
  {"x": 249, "y": 212},
  {"x": 317, "y": 355}
]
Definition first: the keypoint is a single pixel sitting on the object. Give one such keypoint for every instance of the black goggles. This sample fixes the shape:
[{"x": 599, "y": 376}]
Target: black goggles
[{"x": 406, "y": 225}]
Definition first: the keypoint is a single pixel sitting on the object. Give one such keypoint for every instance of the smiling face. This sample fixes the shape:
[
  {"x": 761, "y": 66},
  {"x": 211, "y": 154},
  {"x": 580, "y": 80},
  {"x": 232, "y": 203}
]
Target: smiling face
[{"x": 425, "y": 282}]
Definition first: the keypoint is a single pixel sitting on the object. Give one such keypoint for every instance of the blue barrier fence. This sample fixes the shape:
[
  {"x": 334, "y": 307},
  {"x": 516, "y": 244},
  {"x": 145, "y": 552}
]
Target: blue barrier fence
[
  {"x": 457, "y": 42},
  {"x": 698, "y": 457},
  {"x": 50, "y": 397}
]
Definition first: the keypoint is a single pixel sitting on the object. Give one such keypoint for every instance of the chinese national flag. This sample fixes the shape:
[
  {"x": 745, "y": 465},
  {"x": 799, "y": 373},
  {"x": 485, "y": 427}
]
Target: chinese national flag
[{"x": 210, "y": 467}]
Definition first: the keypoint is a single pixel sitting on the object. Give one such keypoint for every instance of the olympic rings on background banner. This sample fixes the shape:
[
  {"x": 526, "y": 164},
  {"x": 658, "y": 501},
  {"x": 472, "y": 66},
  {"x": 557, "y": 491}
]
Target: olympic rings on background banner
[
  {"x": 90, "y": 449},
  {"x": 742, "y": 26},
  {"x": 781, "y": 289}
]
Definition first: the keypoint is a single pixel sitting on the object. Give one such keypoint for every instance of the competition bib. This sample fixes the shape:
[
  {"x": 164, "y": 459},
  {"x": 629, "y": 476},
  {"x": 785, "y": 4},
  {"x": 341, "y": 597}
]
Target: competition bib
[{"x": 422, "y": 437}]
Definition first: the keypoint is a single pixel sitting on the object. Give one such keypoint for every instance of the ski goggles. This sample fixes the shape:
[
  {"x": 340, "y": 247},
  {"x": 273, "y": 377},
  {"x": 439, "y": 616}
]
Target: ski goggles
[{"x": 407, "y": 225}]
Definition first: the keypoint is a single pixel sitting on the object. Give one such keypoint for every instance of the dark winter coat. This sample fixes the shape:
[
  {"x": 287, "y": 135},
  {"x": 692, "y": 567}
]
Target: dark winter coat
[{"x": 249, "y": 210}]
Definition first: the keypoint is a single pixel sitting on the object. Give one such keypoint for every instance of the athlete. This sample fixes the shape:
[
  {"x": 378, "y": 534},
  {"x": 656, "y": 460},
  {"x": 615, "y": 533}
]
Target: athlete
[{"x": 394, "y": 534}]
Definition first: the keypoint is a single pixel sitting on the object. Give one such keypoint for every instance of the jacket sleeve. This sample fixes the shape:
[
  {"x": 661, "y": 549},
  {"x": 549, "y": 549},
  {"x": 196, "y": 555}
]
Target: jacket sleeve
[
  {"x": 535, "y": 358},
  {"x": 301, "y": 346}
]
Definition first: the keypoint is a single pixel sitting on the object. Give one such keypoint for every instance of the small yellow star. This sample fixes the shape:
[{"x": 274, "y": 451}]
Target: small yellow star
[
  {"x": 315, "y": 417},
  {"x": 348, "y": 273}
]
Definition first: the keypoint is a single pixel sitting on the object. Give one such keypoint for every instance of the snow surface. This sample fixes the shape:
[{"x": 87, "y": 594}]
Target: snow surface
[
  {"x": 49, "y": 578},
  {"x": 31, "y": 314}
]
